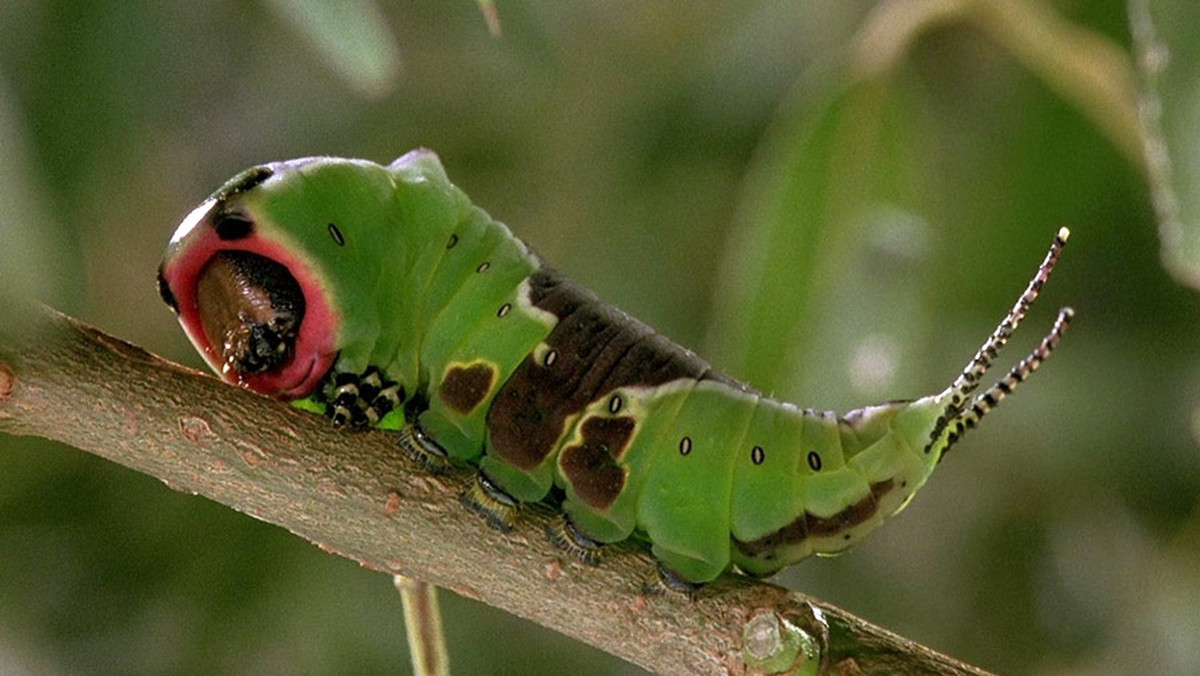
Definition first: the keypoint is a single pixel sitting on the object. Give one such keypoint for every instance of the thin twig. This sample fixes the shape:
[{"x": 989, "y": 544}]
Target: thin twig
[
  {"x": 356, "y": 495},
  {"x": 423, "y": 624}
]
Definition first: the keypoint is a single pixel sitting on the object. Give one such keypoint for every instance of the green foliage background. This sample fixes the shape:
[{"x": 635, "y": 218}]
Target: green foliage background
[{"x": 834, "y": 205}]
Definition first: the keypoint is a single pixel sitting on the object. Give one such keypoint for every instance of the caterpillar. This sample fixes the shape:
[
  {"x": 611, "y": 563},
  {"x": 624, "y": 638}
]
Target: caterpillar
[{"x": 381, "y": 296}]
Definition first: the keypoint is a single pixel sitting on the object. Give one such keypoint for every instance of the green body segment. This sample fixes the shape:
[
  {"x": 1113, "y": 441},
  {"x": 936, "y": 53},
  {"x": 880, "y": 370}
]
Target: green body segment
[
  {"x": 643, "y": 439},
  {"x": 718, "y": 475}
]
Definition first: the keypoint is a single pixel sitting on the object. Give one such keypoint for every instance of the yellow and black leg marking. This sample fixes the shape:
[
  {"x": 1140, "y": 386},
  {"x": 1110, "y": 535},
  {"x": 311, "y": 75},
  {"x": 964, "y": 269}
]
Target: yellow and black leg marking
[
  {"x": 565, "y": 535},
  {"x": 423, "y": 448},
  {"x": 488, "y": 500},
  {"x": 360, "y": 400}
]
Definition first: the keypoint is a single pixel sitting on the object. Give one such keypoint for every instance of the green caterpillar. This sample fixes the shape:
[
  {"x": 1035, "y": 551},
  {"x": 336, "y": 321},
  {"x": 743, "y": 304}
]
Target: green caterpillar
[{"x": 381, "y": 296}]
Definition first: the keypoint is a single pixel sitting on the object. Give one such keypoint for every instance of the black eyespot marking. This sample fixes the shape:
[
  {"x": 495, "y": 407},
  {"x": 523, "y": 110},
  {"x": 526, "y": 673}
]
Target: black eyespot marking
[
  {"x": 685, "y": 446},
  {"x": 614, "y": 404},
  {"x": 758, "y": 455},
  {"x": 164, "y": 292},
  {"x": 504, "y": 309},
  {"x": 232, "y": 226},
  {"x": 336, "y": 235},
  {"x": 814, "y": 461},
  {"x": 452, "y": 242},
  {"x": 483, "y": 267},
  {"x": 550, "y": 358}
]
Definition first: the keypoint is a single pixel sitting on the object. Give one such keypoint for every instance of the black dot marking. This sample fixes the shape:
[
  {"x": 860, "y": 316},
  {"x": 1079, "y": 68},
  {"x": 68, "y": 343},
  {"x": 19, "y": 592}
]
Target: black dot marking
[
  {"x": 685, "y": 446},
  {"x": 903, "y": 484},
  {"x": 614, "y": 404},
  {"x": 550, "y": 358},
  {"x": 846, "y": 536},
  {"x": 504, "y": 309},
  {"x": 336, "y": 235},
  {"x": 814, "y": 461},
  {"x": 233, "y": 227},
  {"x": 452, "y": 242},
  {"x": 483, "y": 267},
  {"x": 757, "y": 455}
]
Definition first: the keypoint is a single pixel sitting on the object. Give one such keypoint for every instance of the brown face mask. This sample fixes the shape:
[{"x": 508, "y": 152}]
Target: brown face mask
[{"x": 250, "y": 308}]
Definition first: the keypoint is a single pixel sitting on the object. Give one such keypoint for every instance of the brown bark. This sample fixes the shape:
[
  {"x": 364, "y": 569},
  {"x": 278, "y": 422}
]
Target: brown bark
[{"x": 356, "y": 495}]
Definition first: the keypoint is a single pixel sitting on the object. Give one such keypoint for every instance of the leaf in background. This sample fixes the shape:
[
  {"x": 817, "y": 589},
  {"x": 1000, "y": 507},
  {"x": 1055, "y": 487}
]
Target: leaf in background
[
  {"x": 352, "y": 35},
  {"x": 29, "y": 264},
  {"x": 834, "y": 225},
  {"x": 1168, "y": 61},
  {"x": 1083, "y": 67},
  {"x": 827, "y": 232},
  {"x": 825, "y": 235}
]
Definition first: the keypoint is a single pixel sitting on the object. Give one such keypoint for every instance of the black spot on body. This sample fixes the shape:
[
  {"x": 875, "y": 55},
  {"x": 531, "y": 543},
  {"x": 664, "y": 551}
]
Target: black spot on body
[
  {"x": 504, "y": 310},
  {"x": 758, "y": 455},
  {"x": 685, "y": 446},
  {"x": 814, "y": 461},
  {"x": 453, "y": 240},
  {"x": 336, "y": 235}
]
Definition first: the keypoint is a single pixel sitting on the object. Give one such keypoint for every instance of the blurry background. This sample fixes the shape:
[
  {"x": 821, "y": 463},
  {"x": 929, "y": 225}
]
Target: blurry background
[{"x": 834, "y": 200}]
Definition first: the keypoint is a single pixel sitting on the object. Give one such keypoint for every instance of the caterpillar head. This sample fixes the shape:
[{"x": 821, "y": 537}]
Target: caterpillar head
[
  {"x": 252, "y": 303},
  {"x": 280, "y": 273}
]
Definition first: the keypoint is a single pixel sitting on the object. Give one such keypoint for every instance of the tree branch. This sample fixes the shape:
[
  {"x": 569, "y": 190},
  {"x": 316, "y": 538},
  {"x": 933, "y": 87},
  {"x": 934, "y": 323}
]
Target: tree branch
[{"x": 356, "y": 495}]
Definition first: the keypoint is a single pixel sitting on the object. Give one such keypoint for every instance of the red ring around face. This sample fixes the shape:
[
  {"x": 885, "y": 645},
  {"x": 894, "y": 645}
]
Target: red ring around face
[{"x": 315, "y": 349}]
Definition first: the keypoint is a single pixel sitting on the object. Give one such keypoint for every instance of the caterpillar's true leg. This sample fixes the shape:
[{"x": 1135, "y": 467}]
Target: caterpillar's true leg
[
  {"x": 565, "y": 535},
  {"x": 360, "y": 399},
  {"x": 490, "y": 501}
]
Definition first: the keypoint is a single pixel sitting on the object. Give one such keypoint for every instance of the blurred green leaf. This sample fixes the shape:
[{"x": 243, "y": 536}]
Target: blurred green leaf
[
  {"x": 1168, "y": 61},
  {"x": 352, "y": 35},
  {"x": 827, "y": 230},
  {"x": 1083, "y": 67},
  {"x": 27, "y": 248},
  {"x": 835, "y": 222}
]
